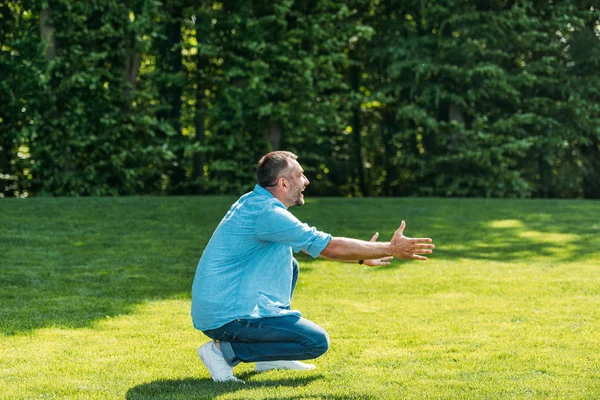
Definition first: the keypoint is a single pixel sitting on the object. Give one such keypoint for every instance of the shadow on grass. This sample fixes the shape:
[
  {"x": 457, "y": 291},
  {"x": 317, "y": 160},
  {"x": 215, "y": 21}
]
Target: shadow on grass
[
  {"x": 70, "y": 262},
  {"x": 193, "y": 388}
]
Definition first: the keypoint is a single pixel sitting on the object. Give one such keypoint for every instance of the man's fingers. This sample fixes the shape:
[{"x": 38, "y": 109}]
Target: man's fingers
[
  {"x": 423, "y": 246},
  {"x": 416, "y": 257},
  {"x": 401, "y": 228},
  {"x": 422, "y": 251},
  {"x": 420, "y": 240},
  {"x": 380, "y": 261},
  {"x": 375, "y": 236}
]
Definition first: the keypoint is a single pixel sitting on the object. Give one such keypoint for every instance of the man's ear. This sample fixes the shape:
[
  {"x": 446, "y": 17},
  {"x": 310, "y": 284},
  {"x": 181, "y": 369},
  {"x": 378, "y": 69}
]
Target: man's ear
[{"x": 283, "y": 183}]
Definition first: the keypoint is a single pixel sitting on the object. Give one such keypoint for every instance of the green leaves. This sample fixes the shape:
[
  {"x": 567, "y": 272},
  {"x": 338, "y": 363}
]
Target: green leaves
[
  {"x": 474, "y": 96},
  {"x": 393, "y": 98}
]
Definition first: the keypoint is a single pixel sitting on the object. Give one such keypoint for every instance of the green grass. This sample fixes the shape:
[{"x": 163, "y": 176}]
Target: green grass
[{"x": 95, "y": 298}]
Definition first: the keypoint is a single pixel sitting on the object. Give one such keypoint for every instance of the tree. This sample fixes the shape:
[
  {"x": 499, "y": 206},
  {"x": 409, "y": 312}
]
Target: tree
[
  {"x": 18, "y": 90},
  {"x": 93, "y": 140},
  {"x": 387, "y": 97},
  {"x": 276, "y": 80}
]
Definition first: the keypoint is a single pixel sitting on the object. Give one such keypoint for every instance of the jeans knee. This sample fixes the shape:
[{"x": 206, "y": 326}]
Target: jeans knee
[{"x": 320, "y": 344}]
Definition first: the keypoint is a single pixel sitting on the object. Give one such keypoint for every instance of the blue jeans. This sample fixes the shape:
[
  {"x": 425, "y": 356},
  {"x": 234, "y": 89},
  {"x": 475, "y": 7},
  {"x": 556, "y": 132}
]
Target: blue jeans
[{"x": 269, "y": 339}]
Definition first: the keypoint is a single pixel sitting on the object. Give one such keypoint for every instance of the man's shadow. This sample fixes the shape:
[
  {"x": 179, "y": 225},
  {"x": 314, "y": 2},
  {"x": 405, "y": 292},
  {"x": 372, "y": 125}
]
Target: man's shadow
[{"x": 205, "y": 388}]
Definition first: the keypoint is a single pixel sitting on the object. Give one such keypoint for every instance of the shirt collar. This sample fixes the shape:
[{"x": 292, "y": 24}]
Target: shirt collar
[{"x": 262, "y": 191}]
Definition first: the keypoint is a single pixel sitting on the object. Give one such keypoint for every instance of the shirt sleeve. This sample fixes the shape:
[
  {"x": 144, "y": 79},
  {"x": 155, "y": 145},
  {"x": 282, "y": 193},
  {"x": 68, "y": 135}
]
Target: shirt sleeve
[{"x": 276, "y": 224}]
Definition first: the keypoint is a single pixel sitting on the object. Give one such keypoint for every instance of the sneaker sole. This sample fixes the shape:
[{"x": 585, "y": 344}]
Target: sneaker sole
[{"x": 265, "y": 369}]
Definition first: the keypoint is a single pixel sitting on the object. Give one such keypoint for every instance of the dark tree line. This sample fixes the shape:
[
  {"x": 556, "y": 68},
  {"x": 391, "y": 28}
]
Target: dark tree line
[{"x": 378, "y": 97}]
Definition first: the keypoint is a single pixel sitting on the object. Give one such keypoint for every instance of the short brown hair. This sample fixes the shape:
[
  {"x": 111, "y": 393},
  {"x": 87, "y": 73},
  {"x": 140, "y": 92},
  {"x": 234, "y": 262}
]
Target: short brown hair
[{"x": 271, "y": 165}]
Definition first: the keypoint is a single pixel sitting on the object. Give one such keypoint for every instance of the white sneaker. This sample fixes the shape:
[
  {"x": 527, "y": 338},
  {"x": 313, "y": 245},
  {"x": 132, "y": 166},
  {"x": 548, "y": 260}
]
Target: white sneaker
[
  {"x": 219, "y": 369},
  {"x": 262, "y": 366}
]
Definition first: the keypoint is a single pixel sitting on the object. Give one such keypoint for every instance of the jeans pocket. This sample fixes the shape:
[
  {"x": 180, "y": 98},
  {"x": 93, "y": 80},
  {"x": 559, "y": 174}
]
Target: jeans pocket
[
  {"x": 235, "y": 331},
  {"x": 239, "y": 330},
  {"x": 219, "y": 334}
]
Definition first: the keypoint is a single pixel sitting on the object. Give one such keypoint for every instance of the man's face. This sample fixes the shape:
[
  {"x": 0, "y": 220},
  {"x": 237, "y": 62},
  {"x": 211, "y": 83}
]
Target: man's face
[{"x": 298, "y": 182}]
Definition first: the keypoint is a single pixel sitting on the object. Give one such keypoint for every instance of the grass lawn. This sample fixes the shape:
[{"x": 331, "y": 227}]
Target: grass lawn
[{"x": 95, "y": 299}]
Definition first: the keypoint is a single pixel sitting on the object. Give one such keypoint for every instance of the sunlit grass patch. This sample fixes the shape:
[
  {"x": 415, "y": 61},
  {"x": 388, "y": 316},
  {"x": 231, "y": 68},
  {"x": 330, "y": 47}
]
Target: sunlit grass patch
[
  {"x": 507, "y": 223},
  {"x": 549, "y": 237}
]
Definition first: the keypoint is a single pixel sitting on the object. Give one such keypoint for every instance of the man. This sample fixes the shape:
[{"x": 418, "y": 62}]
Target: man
[{"x": 246, "y": 276}]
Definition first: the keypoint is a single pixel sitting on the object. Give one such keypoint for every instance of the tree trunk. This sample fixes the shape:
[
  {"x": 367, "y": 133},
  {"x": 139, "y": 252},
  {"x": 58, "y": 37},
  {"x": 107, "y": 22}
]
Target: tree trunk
[
  {"x": 199, "y": 117},
  {"x": 274, "y": 135},
  {"x": 47, "y": 33},
  {"x": 387, "y": 130},
  {"x": 356, "y": 132},
  {"x": 170, "y": 63},
  {"x": 591, "y": 180},
  {"x": 456, "y": 114},
  {"x": 133, "y": 60}
]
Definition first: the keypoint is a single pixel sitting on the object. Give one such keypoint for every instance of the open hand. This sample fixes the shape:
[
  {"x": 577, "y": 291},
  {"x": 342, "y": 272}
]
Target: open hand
[
  {"x": 405, "y": 247},
  {"x": 378, "y": 261}
]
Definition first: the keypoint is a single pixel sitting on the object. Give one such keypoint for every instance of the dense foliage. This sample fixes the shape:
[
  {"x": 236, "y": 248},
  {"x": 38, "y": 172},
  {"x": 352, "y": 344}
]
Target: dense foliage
[{"x": 377, "y": 97}]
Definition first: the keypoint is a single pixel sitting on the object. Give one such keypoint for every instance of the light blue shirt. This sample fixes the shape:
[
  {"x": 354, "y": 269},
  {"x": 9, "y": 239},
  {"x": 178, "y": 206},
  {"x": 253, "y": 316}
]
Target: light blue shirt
[{"x": 246, "y": 268}]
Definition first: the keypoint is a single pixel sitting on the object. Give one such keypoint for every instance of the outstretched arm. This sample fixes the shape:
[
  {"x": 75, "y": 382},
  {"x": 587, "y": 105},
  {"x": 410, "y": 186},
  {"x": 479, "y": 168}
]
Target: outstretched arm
[
  {"x": 400, "y": 246},
  {"x": 376, "y": 262}
]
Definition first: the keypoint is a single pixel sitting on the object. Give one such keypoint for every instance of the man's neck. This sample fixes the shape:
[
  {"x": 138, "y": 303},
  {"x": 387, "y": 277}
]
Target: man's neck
[{"x": 278, "y": 195}]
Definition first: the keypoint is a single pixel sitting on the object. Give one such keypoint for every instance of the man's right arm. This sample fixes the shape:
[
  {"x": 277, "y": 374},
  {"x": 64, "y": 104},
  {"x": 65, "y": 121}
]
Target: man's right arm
[{"x": 342, "y": 248}]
